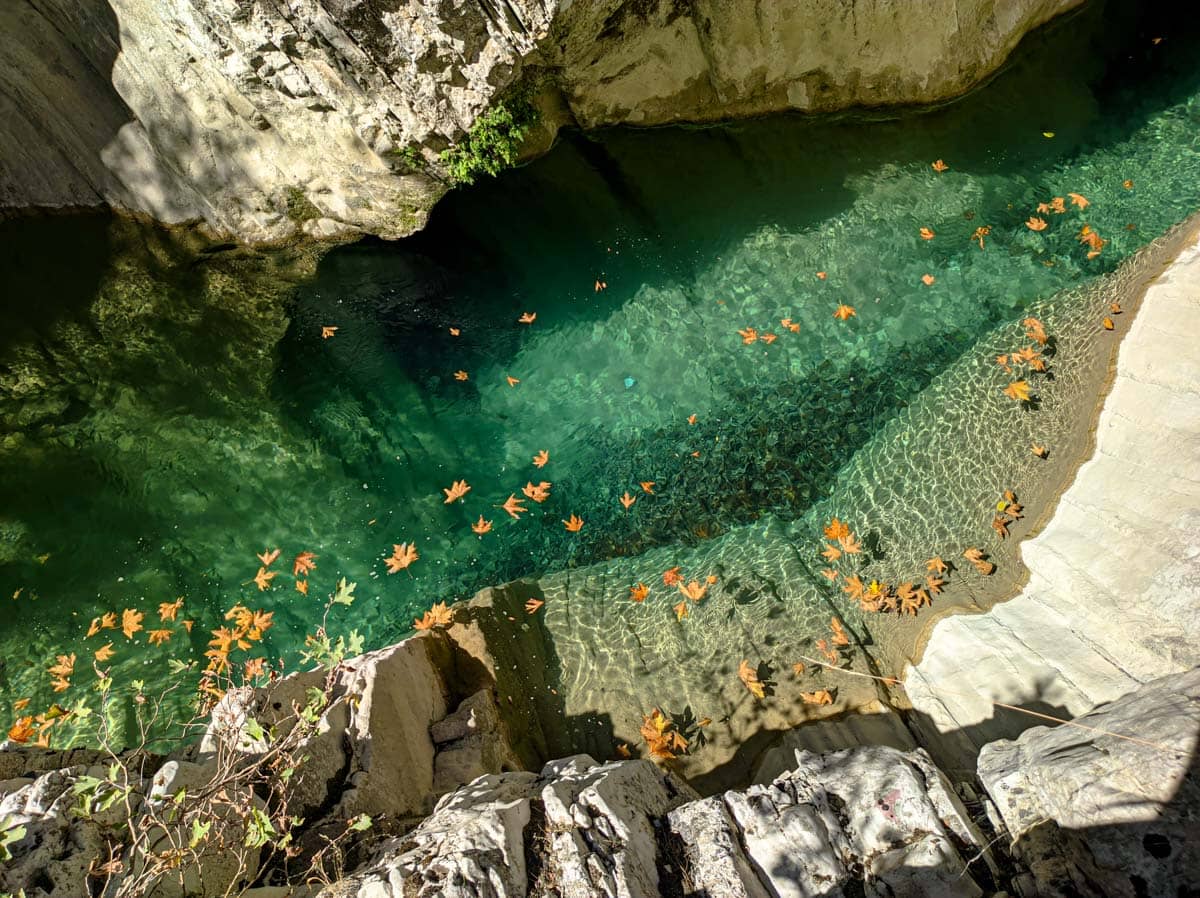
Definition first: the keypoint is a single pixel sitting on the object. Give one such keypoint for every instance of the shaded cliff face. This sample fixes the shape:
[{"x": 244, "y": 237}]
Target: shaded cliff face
[{"x": 326, "y": 117}]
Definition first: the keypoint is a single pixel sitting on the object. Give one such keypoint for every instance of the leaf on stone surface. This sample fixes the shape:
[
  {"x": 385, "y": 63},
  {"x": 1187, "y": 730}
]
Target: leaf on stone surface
[
  {"x": 936, "y": 565},
  {"x": 829, "y": 654},
  {"x": 768, "y": 338},
  {"x": 1078, "y": 200},
  {"x": 1108, "y": 323},
  {"x": 934, "y": 583},
  {"x": 833, "y": 553},
  {"x": 835, "y": 529},
  {"x": 829, "y": 573},
  {"x": 403, "y": 554},
  {"x": 638, "y": 593},
  {"x": 1038, "y": 450},
  {"x": 791, "y": 325},
  {"x": 820, "y": 697},
  {"x": 481, "y": 526},
  {"x": 533, "y": 605},
  {"x": 681, "y": 610},
  {"x": 303, "y": 563},
  {"x": 979, "y": 559},
  {"x": 671, "y": 577},
  {"x": 844, "y": 312},
  {"x": 839, "y": 634},
  {"x": 1000, "y": 525},
  {"x": 693, "y": 590},
  {"x": 22, "y": 731},
  {"x": 457, "y": 490},
  {"x": 131, "y": 622},
  {"x": 574, "y": 523},
  {"x": 1035, "y": 330},
  {"x": 1018, "y": 390},
  {"x": 749, "y": 677},
  {"x": 849, "y": 544},
  {"x": 514, "y": 506},
  {"x": 798, "y": 668},
  {"x": 663, "y": 740},
  {"x": 854, "y": 587}
]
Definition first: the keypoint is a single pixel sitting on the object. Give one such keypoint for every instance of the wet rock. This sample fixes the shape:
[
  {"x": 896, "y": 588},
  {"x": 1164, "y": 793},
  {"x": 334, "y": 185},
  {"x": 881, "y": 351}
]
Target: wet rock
[{"x": 1095, "y": 815}]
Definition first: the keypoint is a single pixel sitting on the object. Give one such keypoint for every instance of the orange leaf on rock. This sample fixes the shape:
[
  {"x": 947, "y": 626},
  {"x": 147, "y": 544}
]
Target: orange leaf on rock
[
  {"x": 850, "y": 544},
  {"x": 533, "y": 605},
  {"x": 790, "y": 325},
  {"x": 22, "y": 731},
  {"x": 978, "y": 558},
  {"x": 638, "y": 593},
  {"x": 461, "y": 375},
  {"x": 672, "y": 577},
  {"x": 437, "y": 616},
  {"x": 681, "y": 610},
  {"x": 1078, "y": 200},
  {"x": 402, "y": 556},
  {"x": 168, "y": 610},
  {"x": 839, "y": 635},
  {"x": 749, "y": 335},
  {"x": 302, "y": 587},
  {"x": 527, "y": 317},
  {"x": 829, "y": 573},
  {"x": 693, "y": 590},
  {"x": 1036, "y": 224},
  {"x": 1108, "y": 323},
  {"x": 820, "y": 697},
  {"x": 833, "y": 553},
  {"x": 936, "y": 565},
  {"x": 835, "y": 529},
  {"x": 768, "y": 338},
  {"x": 749, "y": 677},
  {"x": 1018, "y": 390}
]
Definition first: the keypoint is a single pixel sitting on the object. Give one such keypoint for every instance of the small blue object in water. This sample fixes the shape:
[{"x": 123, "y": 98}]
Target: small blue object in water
[{"x": 629, "y": 382}]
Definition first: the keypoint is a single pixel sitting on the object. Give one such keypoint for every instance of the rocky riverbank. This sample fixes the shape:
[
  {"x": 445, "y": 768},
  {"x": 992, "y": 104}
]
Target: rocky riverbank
[{"x": 264, "y": 120}]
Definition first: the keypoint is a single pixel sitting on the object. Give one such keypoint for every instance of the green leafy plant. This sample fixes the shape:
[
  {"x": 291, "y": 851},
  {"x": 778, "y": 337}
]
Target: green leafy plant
[{"x": 493, "y": 141}]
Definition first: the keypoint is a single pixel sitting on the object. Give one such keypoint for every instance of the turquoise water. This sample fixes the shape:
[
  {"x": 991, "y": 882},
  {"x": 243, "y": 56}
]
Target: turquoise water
[{"x": 164, "y": 419}]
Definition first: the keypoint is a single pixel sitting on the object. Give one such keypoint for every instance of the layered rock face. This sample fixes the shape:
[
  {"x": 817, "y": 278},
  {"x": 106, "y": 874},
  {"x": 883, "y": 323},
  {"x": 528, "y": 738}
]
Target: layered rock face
[{"x": 264, "y": 119}]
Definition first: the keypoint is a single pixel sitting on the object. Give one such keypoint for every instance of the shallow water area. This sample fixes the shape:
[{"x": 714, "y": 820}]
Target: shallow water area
[{"x": 164, "y": 419}]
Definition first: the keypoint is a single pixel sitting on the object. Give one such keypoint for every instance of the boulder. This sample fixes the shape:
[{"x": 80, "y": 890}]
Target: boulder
[{"x": 1094, "y": 814}]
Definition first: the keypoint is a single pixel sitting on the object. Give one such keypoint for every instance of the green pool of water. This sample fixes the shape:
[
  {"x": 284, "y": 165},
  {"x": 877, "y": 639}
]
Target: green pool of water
[{"x": 164, "y": 418}]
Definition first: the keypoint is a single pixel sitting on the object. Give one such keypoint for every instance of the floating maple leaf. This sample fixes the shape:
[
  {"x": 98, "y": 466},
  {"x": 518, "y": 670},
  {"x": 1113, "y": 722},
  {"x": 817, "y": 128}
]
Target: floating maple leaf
[
  {"x": 693, "y": 590},
  {"x": 1078, "y": 200},
  {"x": 109, "y": 621},
  {"x": 538, "y": 493},
  {"x": 1018, "y": 390},
  {"x": 104, "y": 652},
  {"x": 663, "y": 740},
  {"x": 672, "y": 576},
  {"x": 647, "y": 486},
  {"x": 263, "y": 578},
  {"x": 437, "y": 616},
  {"x": 835, "y": 529},
  {"x": 1036, "y": 224},
  {"x": 514, "y": 506},
  {"x": 978, "y": 558},
  {"x": 528, "y": 318},
  {"x": 980, "y": 233},
  {"x": 638, "y": 593},
  {"x": 934, "y": 583},
  {"x": 158, "y": 637},
  {"x": 821, "y": 275},
  {"x": 1035, "y": 330},
  {"x": 304, "y": 563},
  {"x": 403, "y": 554},
  {"x": 481, "y": 526},
  {"x": 749, "y": 677},
  {"x": 168, "y": 610},
  {"x": 533, "y": 605},
  {"x": 457, "y": 490},
  {"x": 93, "y": 628},
  {"x": 839, "y": 635},
  {"x": 539, "y": 460},
  {"x": 768, "y": 338},
  {"x": 927, "y": 233},
  {"x": 302, "y": 587},
  {"x": 454, "y": 331},
  {"x": 328, "y": 331},
  {"x": 512, "y": 381},
  {"x": 854, "y": 587},
  {"x": 574, "y": 524},
  {"x": 928, "y": 279},
  {"x": 627, "y": 500},
  {"x": 829, "y": 654},
  {"x": 131, "y": 622},
  {"x": 461, "y": 375},
  {"x": 845, "y": 312},
  {"x": 681, "y": 610},
  {"x": 267, "y": 558},
  {"x": 64, "y": 665},
  {"x": 938, "y": 166},
  {"x": 820, "y": 697},
  {"x": 790, "y": 325},
  {"x": 833, "y": 553},
  {"x": 749, "y": 335},
  {"x": 829, "y": 573},
  {"x": 849, "y": 544}
]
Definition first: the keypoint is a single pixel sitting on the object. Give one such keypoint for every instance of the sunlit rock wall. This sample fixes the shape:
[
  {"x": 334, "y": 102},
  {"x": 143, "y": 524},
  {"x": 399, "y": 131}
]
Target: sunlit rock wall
[{"x": 265, "y": 118}]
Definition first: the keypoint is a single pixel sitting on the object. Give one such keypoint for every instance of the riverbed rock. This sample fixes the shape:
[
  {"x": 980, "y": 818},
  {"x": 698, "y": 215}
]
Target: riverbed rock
[
  {"x": 1093, "y": 814},
  {"x": 327, "y": 117}
]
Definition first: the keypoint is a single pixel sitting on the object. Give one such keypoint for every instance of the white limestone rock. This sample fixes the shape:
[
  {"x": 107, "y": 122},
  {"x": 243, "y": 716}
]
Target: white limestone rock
[{"x": 1096, "y": 815}]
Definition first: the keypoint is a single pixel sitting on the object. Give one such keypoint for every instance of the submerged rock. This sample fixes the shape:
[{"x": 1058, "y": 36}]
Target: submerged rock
[{"x": 1093, "y": 814}]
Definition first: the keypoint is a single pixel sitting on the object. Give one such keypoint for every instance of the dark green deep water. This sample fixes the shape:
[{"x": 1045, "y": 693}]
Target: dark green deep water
[{"x": 163, "y": 418}]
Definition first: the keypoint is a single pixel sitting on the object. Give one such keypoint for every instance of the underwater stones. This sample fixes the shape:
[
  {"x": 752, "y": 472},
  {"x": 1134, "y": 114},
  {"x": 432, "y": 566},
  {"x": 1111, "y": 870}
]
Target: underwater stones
[{"x": 1092, "y": 814}]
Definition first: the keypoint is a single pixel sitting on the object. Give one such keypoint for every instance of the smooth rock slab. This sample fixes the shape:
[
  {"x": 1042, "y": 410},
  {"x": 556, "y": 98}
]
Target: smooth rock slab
[{"x": 1096, "y": 815}]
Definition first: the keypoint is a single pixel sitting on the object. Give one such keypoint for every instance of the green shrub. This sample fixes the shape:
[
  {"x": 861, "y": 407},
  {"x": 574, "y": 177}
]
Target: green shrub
[{"x": 492, "y": 143}]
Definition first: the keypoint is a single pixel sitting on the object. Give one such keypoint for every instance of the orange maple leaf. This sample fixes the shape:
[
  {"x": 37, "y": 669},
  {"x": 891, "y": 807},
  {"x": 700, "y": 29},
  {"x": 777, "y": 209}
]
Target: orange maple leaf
[
  {"x": 263, "y": 578},
  {"x": 64, "y": 665},
  {"x": 934, "y": 584},
  {"x": 849, "y": 544},
  {"x": 691, "y": 419},
  {"x": 829, "y": 654},
  {"x": 1000, "y": 525},
  {"x": 104, "y": 652},
  {"x": 514, "y": 506},
  {"x": 328, "y": 331},
  {"x": 980, "y": 233},
  {"x": 647, "y": 486},
  {"x": 835, "y": 529},
  {"x": 168, "y": 610},
  {"x": 454, "y": 331},
  {"x": 839, "y": 635},
  {"x": 854, "y": 587},
  {"x": 1108, "y": 324},
  {"x": 528, "y": 318},
  {"x": 1036, "y": 224},
  {"x": 672, "y": 577},
  {"x": 539, "y": 460},
  {"x": 928, "y": 279},
  {"x": 638, "y": 593},
  {"x": 437, "y": 616},
  {"x": 267, "y": 558},
  {"x": 1035, "y": 331},
  {"x": 790, "y": 325},
  {"x": 749, "y": 677},
  {"x": 768, "y": 338},
  {"x": 574, "y": 524},
  {"x": 157, "y": 637},
  {"x": 749, "y": 335},
  {"x": 829, "y": 573},
  {"x": 693, "y": 590},
  {"x": 938, "y": 166},
  {"x": 131, "y": 622},
  {"x": 22, "y": 731},
  {"x": 978, "y": 558},
  {"x": 927, "y": 234},
  {"x": 1017, "y": 390},
  {"x": 627, "y": 500},
  {"x": 681, "y": 610},
  {"x": 1078, "y": 200},
  {"x": 302, "y": 587},
  {"x": 512, "y": 381},
  {"x": 533, "y": 605},
  {"x": 461, "y": 375},
  {"x": 457, "y": 490},
  {"x": 109, "y": 621},
  {"x": 845, "y": 312},
  {"x": 481, "y": 526},
  {"x": 820, "y": 697},
  {"x": 539, "y": 493},
  {"x": 93, "y": 628},
  {"x": 936, "y": 565},
  {"x": 402, "y": 556},
  {"x": 1038, "y": 450},
  {"x": 833, "y": 553},
  {"x": 303, "y": 563}
]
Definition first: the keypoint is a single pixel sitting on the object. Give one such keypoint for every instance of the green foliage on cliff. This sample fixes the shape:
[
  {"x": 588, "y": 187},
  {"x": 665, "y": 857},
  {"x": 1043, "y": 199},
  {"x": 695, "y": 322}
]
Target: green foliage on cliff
[{"x": 492, "y": 143}]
